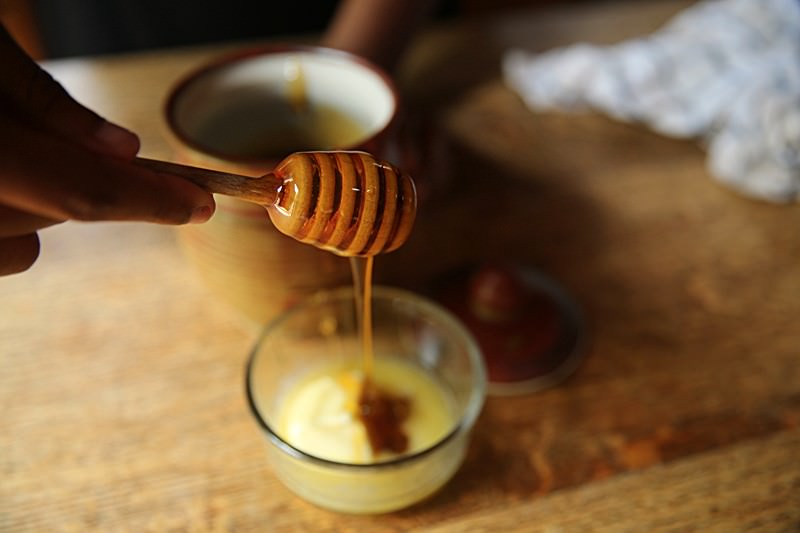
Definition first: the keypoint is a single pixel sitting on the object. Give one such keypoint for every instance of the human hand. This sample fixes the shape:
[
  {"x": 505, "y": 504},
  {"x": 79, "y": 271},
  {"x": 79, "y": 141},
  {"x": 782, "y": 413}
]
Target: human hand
[{"x": 60, "y": 161}]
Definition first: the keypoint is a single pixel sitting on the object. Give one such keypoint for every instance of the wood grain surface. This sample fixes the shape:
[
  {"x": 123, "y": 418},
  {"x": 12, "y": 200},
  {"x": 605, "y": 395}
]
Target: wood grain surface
[{"x": 122, "y": 379}]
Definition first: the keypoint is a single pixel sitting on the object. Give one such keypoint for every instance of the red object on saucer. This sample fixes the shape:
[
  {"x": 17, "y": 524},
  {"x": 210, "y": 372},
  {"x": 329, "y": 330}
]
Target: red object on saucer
[{"x": 530, "y": 332}]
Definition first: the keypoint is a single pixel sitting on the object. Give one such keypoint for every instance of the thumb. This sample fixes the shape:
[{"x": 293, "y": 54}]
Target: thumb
[{"x": 38, "y": 99}]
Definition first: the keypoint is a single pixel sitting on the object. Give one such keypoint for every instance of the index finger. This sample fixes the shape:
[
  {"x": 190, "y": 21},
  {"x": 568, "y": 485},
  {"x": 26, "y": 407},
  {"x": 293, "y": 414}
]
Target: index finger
[{"x": 54, "y": 178}]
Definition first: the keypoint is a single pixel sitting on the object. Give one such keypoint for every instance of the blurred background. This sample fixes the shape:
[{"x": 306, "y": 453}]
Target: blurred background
[{"x": 49, "y": 29}]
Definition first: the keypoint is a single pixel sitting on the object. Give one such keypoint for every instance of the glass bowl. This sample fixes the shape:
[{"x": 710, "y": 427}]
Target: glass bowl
[{"x": 323, "y": 332}]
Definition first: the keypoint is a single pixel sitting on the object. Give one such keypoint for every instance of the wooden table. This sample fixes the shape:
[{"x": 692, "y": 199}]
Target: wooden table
[{"x": 122, "y": 382}]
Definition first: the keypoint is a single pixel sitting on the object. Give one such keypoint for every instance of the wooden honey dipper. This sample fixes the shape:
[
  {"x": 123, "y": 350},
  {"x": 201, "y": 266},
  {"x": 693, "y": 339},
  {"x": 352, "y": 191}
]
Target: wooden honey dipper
[{"x": 348, "y": 203}]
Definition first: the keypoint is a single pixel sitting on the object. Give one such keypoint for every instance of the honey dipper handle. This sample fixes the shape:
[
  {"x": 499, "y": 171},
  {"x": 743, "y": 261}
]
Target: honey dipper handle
[{"x": 261, "y": 190}]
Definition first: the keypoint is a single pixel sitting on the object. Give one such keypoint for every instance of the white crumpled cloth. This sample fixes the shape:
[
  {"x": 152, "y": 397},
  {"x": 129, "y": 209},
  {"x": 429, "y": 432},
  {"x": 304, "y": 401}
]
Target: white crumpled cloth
[{"x": 724, "y": 71}]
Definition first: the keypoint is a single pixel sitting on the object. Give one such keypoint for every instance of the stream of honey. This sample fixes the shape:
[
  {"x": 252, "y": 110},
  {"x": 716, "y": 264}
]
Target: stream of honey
[
  {"x": 361, "y": 268},
  {"x": 382, "y": 414}
]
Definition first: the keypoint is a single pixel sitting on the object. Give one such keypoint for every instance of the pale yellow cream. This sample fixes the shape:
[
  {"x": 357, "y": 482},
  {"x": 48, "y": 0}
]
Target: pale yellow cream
[{"x": 318, "y": 415}]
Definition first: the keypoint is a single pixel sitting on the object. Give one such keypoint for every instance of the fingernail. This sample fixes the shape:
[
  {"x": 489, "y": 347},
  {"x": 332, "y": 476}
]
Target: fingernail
[
  {"x": 116, "y": 140},
  {"x": 201, "y": 214}
]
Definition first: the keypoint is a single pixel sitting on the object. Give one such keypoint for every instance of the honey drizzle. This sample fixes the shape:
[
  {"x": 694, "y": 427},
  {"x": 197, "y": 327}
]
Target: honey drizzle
[
  {"x": 361, "y": 268},
  {"x": 382, "y": 414},
  {"x": 367, "y": 347}
]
